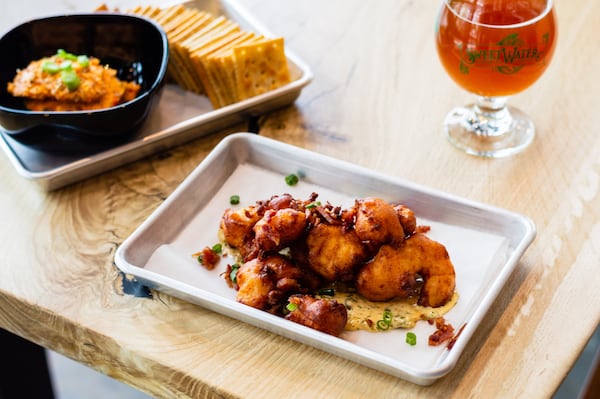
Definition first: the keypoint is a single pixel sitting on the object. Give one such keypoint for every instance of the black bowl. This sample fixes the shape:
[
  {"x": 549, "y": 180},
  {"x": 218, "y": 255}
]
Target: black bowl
[{"x": 135, "y": 46}]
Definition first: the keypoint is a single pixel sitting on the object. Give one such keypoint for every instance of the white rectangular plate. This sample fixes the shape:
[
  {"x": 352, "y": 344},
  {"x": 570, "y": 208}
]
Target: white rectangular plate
[{"x": 484, "y": 243}]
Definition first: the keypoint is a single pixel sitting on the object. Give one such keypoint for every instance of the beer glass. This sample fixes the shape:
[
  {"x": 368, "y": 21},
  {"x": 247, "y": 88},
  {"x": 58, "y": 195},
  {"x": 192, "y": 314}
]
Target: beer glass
[{"x": 494, "y": 49}]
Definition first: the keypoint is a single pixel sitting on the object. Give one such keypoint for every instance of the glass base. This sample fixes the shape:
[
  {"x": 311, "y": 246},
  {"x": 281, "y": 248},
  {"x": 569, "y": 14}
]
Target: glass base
[{"x": 491, "y": 132}]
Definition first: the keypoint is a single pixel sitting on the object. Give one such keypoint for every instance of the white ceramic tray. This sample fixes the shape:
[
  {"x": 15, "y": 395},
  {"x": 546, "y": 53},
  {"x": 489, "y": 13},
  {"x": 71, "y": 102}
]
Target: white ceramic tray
[
  {"x": 484, "y": 243},
  {"x": 55, "y": 159}
]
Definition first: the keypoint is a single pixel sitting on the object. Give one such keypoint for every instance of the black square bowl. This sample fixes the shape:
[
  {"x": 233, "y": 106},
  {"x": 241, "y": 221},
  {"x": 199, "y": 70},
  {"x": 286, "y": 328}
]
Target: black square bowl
[{"x": 135, "y": 46}]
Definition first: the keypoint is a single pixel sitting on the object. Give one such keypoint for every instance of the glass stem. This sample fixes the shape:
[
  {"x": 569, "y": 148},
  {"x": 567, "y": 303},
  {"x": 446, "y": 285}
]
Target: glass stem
[{"x": 492, "y": 117}]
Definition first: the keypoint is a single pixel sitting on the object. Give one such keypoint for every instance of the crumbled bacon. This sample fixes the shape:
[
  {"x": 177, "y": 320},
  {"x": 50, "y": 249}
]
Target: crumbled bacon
[
  {"x": 208, "y": 258},
  {"x": 453, "y": 340},
  {"x": 444, "y": 332},
  {"x": 229, "y": 276}
]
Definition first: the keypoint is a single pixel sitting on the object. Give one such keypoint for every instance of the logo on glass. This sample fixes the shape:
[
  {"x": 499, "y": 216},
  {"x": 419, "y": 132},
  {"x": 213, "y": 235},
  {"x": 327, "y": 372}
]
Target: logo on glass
[{"x": 508, "y": 56}]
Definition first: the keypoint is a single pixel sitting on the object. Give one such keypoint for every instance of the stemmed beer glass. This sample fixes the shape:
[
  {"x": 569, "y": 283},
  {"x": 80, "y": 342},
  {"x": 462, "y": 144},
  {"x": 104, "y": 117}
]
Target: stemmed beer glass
[{"x": 494, "y": 49}]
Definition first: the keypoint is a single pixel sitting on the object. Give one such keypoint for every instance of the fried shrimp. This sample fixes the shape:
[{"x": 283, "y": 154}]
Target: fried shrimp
[
  {"x": 326, "y": 315},
  {"x": 394, "y": 271}
]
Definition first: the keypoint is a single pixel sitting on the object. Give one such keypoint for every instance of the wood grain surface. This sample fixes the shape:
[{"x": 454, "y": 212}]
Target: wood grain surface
[{"x": 378, "y": 99}]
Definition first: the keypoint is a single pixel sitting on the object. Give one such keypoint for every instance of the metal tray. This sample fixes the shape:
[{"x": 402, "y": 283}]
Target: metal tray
[
  {"x": 54, "y": 158},
  {"x": 484, "y": 243}
]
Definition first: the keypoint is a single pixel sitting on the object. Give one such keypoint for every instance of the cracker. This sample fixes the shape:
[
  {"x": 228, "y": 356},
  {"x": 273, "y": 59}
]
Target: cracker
[
  {"x": 180, "y": 65},
  {"x": 260, "y": 67},
  {"x": 222, "y": 65},
  {"x": 167, "y": 14},
  {"x": 148, "y": 11},
  {"x": 212, "y": 73},
  {"x": 214, "y": 56},
  {"x": 209, "y": 45},
  {"x": 203, "y": 24},
  {"x": 171, "y": 26},
  {"x": 182, "y": 51}
]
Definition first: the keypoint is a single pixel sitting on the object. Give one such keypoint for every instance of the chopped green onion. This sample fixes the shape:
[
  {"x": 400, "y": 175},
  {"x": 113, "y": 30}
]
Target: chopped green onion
[
  {"x": 70, "y": 79},
  {"x": 291, "y": 179},
  {"x": 217, "y": 248},
  {"x": 234, "y": 199},
  {"x": 291, "y": 306},
  {"x": 386, "y": 321},
  {"x": 411, "y": 338},
  {"x": 67, "y": 56},
  {"x": 66, "y": 66},
  {"x": 313, "y": 205},
  {"x": 83, "y": 60},
  {"x": 50, "y": 67},
  {"x": 382, "y": 325},
  {"x": 387, "y": 317},
  {"x": 233, "y": 274}
]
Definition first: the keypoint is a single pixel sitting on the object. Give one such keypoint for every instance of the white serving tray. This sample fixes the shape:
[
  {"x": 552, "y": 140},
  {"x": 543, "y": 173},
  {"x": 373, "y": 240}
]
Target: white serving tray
[
  {"x": 484, "y": 243},
  {"x": 56, "y": 159}
]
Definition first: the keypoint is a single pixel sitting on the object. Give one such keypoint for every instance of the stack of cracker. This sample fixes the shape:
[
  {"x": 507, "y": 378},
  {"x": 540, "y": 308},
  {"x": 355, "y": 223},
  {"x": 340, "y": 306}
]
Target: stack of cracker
[{"x": 214, "y": 56}]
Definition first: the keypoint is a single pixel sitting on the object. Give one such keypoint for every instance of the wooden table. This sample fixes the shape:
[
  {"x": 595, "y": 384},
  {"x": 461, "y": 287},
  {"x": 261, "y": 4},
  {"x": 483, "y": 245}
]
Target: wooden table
[{"x": 378, "y": 99}]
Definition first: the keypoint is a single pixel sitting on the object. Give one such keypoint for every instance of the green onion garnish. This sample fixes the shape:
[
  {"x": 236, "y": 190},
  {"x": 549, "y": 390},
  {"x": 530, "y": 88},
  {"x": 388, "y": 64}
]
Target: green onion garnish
[
  {"x": 234, "y": 199},
  {"x": 291, "y": 306},
  {"x": 70, "y": 79},
  {"x": 83, "y": 60},
  {"x": 217, "y": 248},
  {"x": 382, "y": 325},
  {"x": 67, "y": 56},
  {"x": 387, "y": 317},
  {"x": 386, "y": 321},
  {"x": 50, "y": 67},
  {"x": 66, "y": 66},
  {"x": 411, "y": 338},
  {"x": 291, "y": 179},
  {"x": 313, "y": 205},
  {"x": 233, "y": 274}
]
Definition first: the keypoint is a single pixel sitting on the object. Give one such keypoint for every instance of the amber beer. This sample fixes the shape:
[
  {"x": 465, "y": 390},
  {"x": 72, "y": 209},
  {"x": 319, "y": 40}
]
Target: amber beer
[{"x": 495, "y": 47}]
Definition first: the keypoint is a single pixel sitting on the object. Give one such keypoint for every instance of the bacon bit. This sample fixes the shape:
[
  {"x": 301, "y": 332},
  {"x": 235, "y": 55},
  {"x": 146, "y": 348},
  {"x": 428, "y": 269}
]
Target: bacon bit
[
  {"x": 227, "y": 275},
  {"x": 444, "y": 331},
  {"x": 453, "y": 340},
  {"x": 325, "y": 214},
  {"x": 208, "y": 258}
]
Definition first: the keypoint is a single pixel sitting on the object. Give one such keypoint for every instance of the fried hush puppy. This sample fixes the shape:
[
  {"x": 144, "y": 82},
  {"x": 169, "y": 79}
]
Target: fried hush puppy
[
  {"x": 277, "y": 229},
  {"x": 334, "y": 252},
  {"x": 377, "y": 223},
  {"x": 289, "y": 248},
  {"x": 328, "y": 316},
  {"x": 265, "y": 283}
]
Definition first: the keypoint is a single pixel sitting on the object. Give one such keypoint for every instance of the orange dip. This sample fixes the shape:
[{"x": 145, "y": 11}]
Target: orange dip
[{"x": 74, "y": 83}]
